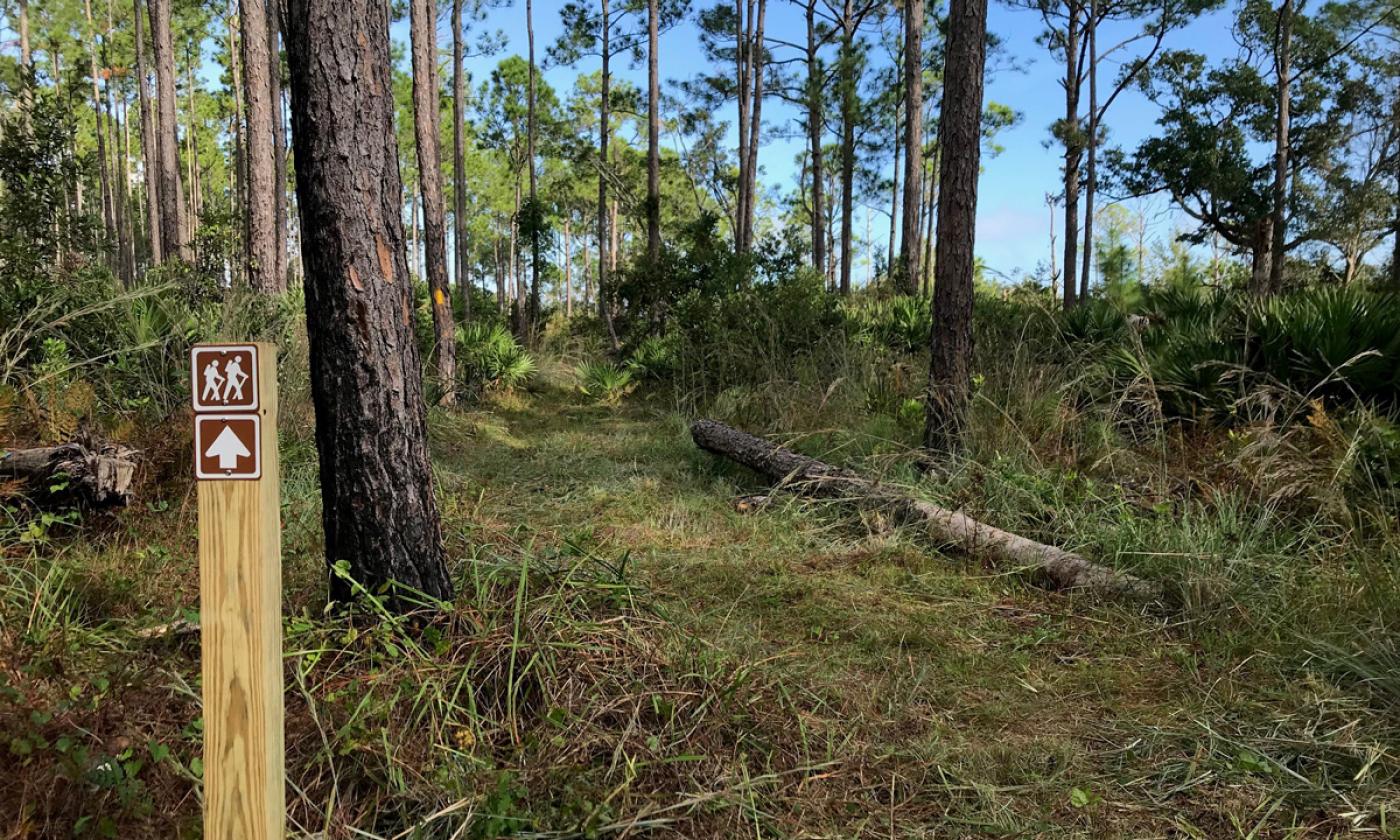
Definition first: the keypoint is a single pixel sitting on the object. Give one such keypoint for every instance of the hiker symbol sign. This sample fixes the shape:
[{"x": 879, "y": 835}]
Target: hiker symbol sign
[
  {"x": 224, "y": 389},
  {"x": 224, "y": 377}
]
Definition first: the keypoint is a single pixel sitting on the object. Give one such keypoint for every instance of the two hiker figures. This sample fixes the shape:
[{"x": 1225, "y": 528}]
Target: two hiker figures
[{"x": 224, "y": 387}]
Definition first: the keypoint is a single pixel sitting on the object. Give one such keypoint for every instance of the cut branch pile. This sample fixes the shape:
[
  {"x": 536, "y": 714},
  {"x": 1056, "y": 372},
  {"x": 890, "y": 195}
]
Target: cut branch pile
[
  {"x": 86, "y": 472},
  {"x": 808, "y": 476}
]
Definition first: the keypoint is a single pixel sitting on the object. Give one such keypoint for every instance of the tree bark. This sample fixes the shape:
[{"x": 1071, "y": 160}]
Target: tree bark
[
  {"x": 240, "y": 148},
  {"x": 1072, "y": 152},
  {"x": 815, "y": 105},
  {"x": 847, "y": 58},
  {"x": 423, "y": 25},
  {"x": 279, "y": 140},
  {"x": 1091, "y": 167},
  {"x": 756, "y": 63},
  {"x": 260, "y": 212},
  {"x": 960, "y": 145},
  {"x": 174, "y": 226},
  {"x": 108, "y": 200},
  {"x": 567, "y": 271},
  {"x": 88, "y": 472},
  {"x": 913, "y": 144},
  {"x": 1284, "y": 69},
  {"x": 535, "y": 214},
  {"x": 890, "y": 269},
  {"x": 743, "y": 58},
  {"x": 459, "y": 176},
  {"x": 604, "y": 305},
  {"x": 380, "y": 515},
  {"x": 1059, "y": 568},
  {"x": 653, "y": 133},
  {"x": 150, "y": 149},
  {"x": 26, "y": 57}
]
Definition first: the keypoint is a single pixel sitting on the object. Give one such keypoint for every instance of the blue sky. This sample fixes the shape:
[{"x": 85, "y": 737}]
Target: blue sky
[{"x": 1013, "y": 220}]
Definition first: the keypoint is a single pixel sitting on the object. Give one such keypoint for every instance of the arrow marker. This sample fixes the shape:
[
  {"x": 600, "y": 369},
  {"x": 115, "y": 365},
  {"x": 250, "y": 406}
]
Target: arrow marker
[{"x": 228, "y": 449}]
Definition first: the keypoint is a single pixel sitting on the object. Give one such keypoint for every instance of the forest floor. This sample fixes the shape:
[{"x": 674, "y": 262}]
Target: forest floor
[
  {"x": 955, "y": 700},
  {"x": 788, "y": 671}
]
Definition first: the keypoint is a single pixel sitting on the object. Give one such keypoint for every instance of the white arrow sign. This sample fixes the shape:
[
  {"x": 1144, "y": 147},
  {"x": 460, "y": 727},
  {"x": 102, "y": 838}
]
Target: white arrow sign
[
  {"x": 227, "y": 446},
  {"x": 228, "y": 449}
]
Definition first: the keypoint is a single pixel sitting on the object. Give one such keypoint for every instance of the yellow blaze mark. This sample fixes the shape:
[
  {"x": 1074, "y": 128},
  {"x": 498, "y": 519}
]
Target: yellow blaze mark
[{"x": 438, "y": 297}]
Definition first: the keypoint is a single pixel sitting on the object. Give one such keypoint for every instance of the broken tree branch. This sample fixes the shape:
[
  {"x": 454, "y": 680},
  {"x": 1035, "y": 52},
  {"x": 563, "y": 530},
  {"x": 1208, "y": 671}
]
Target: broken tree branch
[
  {"x": 85, "y": 471},
  {"x": 809, "y": 476}
]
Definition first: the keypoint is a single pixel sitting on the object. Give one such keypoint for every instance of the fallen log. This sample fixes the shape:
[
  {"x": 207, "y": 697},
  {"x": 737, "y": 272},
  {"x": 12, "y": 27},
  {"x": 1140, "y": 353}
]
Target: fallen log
[
  {"x": 86, "y": 472},
  {"x": 809, "y": 476}
]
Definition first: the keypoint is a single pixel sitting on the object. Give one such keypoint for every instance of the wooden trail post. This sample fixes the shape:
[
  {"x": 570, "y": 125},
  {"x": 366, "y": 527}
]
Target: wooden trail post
[{"x": 234, "y": 391}]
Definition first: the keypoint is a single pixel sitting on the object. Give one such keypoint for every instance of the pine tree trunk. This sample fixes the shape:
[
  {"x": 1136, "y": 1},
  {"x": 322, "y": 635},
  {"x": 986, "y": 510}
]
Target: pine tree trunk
[
  {"x": 604, "y": 305},
  {"x": 260, "y": 213},
  {"x": 1283, "y": 67},
  {"x": 913, "y": 144},
  {"x": 1091, "y": 166},
  {"x": 192, "y": 150},
  {"x": 279, "y": 141},
  {"x": 240, "y": 148},
  {"x": 150, "y": 149},
  {"x": 174, "y": 234},
  {"x": 380, "y": 515},
  {"x": 742, "y": 58},
  {"x": 653, "y": 133},
  {"x": 459, "y": 177},
  {"x": 814, "y": 141},
  {"x": 1071, "y": 141},
  {"x": 755, "y": 127},
  {"x": 423, "y": 23},
  {"x": 105, "y": 182},
  {"x": 849, "y": 104},
  {"x": 534, "y": 311},
  {"x": 894, "y": 196},
  {"x": 568, "y": 265},
  {"x": 960, "y": 134}
]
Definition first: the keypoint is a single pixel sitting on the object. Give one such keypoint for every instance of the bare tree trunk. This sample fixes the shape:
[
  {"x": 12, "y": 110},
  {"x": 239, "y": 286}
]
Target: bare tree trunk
[
  {"x": 378, "y": 508},
  {"x": 174, "y": 235},
  {"x": 814, "y": 140},
  {"x": 535, "y": 215},
  {"x": 459, "y": 176},
  {"x": 756, "y": 62},
  {"x": 1283, "y": 67},
  {"x": 930, "y": 211},
  {"x": 743, "y": 57},
  {"x": 811, "y": 477},
  {"x": 653, "y": 133},
  {"x": 26, "y": 57},
  {"x": 279, "y": 140},
  {"x": 568, "y": 265},
  {"x": 260, "y": 213},
  {"x": 604, "y": 305},
  {"x": 960, "y": 134},
  {"x": 913, "y": 143},
  {"x": 1091, "y": 172},
  {"x": 150, "y": 148},
  {"x": 192, "y": 149},
  {"x": 108, "y": 203},
  {"x": 849, "y": 104},
  {"x": 894, "y": 197},
  {"x": 1071, "y": 141},
  {"x": 240, "y": 146},
  {"x": 423, "y": 24}
]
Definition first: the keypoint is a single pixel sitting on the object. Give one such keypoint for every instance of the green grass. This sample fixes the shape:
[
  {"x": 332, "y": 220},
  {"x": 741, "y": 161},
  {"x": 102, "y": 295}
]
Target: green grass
[{"x": 632, "y": 655}]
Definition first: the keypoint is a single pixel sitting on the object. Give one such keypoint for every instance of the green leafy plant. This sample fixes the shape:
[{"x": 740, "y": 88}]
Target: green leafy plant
[
  {"x": 490, "y": 358},
  {"x": 604, "y": 382}
]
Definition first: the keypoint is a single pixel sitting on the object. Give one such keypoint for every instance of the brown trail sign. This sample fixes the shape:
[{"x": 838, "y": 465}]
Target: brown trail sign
[{"x": 233, "y": 389}]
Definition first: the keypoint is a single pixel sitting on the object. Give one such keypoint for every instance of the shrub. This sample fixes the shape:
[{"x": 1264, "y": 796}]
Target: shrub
[
  {"x": 604, "y": 382},
  {"x": 1336, "y": 341},
  {"x": 490, "y": 358}
]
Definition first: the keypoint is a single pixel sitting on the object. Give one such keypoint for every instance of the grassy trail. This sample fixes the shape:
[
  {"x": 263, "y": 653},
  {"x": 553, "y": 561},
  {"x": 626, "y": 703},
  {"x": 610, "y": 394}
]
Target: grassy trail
[{"x": 946, "y": 700}]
